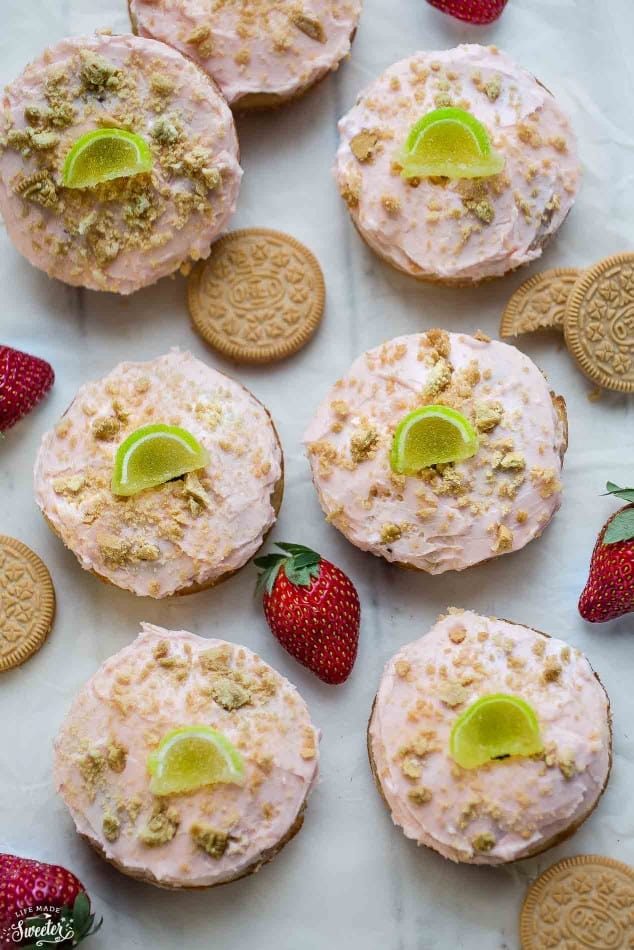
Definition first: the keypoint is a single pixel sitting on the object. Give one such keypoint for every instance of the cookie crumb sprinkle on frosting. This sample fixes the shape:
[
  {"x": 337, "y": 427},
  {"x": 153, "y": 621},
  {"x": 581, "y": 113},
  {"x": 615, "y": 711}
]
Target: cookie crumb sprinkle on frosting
[
  {"x": 127, "y": 232},
  {"x": 510, "y": 807},
  {"x": 446, "y": 516},
  {"x": 462, "y": 230},
  {"x": 119, "y": 719},
  {"x": 260, "y": 53},
  {"x": 191, "y": 530}
]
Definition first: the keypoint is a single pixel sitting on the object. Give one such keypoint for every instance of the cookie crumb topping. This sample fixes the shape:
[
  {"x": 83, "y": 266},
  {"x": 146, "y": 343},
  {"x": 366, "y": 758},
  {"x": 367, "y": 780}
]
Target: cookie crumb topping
[
  {"x": 161, "y": 827},
  {"x": 213, "y": 841}
]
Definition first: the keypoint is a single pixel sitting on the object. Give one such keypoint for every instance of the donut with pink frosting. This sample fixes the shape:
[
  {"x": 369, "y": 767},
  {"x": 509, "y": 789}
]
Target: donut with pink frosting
[
  {"x": 186, "y": 534},
  {"x": 445, "y": 517},
  {"x": 211, "y": 834},
  {"x": 511, "y": 807},
  {"x": 262, "y": 53},
  {"x": 459, "y": 231},
  {"x": 126, "y": 233}
]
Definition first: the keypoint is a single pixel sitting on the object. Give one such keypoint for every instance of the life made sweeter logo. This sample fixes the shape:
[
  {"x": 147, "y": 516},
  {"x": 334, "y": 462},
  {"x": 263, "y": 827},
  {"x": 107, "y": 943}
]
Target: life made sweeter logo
[{"x": 42, "y": 925}]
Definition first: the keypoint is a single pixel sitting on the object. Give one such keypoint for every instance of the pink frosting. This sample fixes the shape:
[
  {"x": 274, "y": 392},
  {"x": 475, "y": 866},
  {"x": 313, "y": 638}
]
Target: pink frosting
[
  {"x": 163, "y": 681},
  {"x": 434, "y": 229},
  {"x": 87, "y": 238},
  {"x": 509, "y": 808},
  {"x": 168, "y": 538},
  {"x": 255, "y": 47},
  {"x": 493, "y": 503}
]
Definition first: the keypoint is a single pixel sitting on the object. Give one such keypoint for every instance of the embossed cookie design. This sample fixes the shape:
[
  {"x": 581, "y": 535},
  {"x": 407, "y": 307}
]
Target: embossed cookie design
[
  {"x": 599, "y": 322},
  {"x": 581, "y": 902},
  {"x": 27, "y": 603},
  {"x": 259, "y": 297},
  {"x": 540, "y": 302}
]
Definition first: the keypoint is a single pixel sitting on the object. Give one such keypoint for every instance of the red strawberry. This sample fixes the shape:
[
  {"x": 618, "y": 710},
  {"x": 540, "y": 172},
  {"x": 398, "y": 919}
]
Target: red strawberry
[
  {"x": 609, "y": 591},
  {"x": 27, "y": 885},
  {"x": 24, "y": 380},
  {"x": 313, "y": 610},
  {"x": 473, "y": 11}
]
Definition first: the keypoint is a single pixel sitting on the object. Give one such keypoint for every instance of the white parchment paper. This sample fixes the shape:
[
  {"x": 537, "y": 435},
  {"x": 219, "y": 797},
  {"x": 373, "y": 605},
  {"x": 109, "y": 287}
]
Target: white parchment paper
[{"x": 350, "y": 880}]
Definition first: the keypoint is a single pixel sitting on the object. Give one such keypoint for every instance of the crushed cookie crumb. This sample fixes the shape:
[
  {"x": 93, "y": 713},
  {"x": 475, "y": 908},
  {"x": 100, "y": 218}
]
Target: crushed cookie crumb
[
  {"x": 545, "y": 479},
  {"x": 91, "y": 767},
  {"x": 567, "y": 765},
  {"x": 38, "y": 187},
  {"x": 309, "y": 745},
  {"x": 106, "y": 428},
  {"x": 308, "y": 25},
  {"x": 97, "y": 73},
  {"x": 483, "y": 842},
  {"x": 213, "y": 841},
  {"x": 69, "y": 486},
  {"x": 340, "y": 408},
  {"x": 161, "y": 827},
  {"x": 363, "y": 145},
  {"x": 111, "y": 827},
  {"x": 439, "y": 341},
  {"x": 194, "y": 490},
  {"x": 552, "y": 670},
  {"x": 438, "y": 379},
  {"x": 457, "y": 634},
  {"x": 391, "y": 203},
  {"x": 350, "y": 189},
  {"x": 164, "y": 131},
  {"x": 492, "y": 88},
  {"x": 363, "y": 443},
  {"x": 402, "y": 668},
  {"x": 228, "y": 693},
  {"x": 420, "y": 795},
  {"x": 216, "y": 659},
  {"x": 481, "y": 208},
  {"x": 504, "y": 539},
  {"x": 200, "y": 36},
  {"x": 145, "y": 551},
  {"x": 452, "y": 694},
  {"x": 390, "y": 532},
  {"x": 513, "y": 461},
  {"x": 117, "y": 756},
  {"x": 411, "y": 768},
  {"x": 488, "y": 415}
]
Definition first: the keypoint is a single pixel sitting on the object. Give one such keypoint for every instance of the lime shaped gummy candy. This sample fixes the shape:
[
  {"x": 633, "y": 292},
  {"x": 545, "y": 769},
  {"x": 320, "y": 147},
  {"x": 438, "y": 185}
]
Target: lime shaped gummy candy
[
  {"x": 493, "y": 727},
  {"x": 431, "y": 435},
  {"x": 450, "y": 143},
  {"x": 103, "y": 155},
  {"x": 152, "y": 455},
  {"x": 191, "y": 757}
]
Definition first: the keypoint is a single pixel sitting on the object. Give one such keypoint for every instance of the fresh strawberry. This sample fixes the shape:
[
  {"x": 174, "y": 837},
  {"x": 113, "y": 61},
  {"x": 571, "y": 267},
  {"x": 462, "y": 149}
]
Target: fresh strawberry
[
  {"x": 609, "y": 591},
  {"x": 33, "y": 894},
  {"x": 473, "y": 11},
  {"x": 313, "y": 610},
  {"x": 24, "y": 380}
]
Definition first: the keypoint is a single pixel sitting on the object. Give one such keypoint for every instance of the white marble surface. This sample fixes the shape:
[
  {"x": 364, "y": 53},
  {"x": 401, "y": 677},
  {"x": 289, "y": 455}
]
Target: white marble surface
[{"x": 350, "y": 878}]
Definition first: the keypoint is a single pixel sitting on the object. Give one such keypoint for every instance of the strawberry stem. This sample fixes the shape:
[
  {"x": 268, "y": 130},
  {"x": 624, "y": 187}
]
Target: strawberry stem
[{"x": 301, "y": 565}]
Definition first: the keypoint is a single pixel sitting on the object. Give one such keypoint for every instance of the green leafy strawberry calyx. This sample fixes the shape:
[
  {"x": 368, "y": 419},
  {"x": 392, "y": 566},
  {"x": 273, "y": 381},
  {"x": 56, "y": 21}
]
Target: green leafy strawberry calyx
[
  {"x": 301, "y": 566},
  {"x": 621, "y": 525}
]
